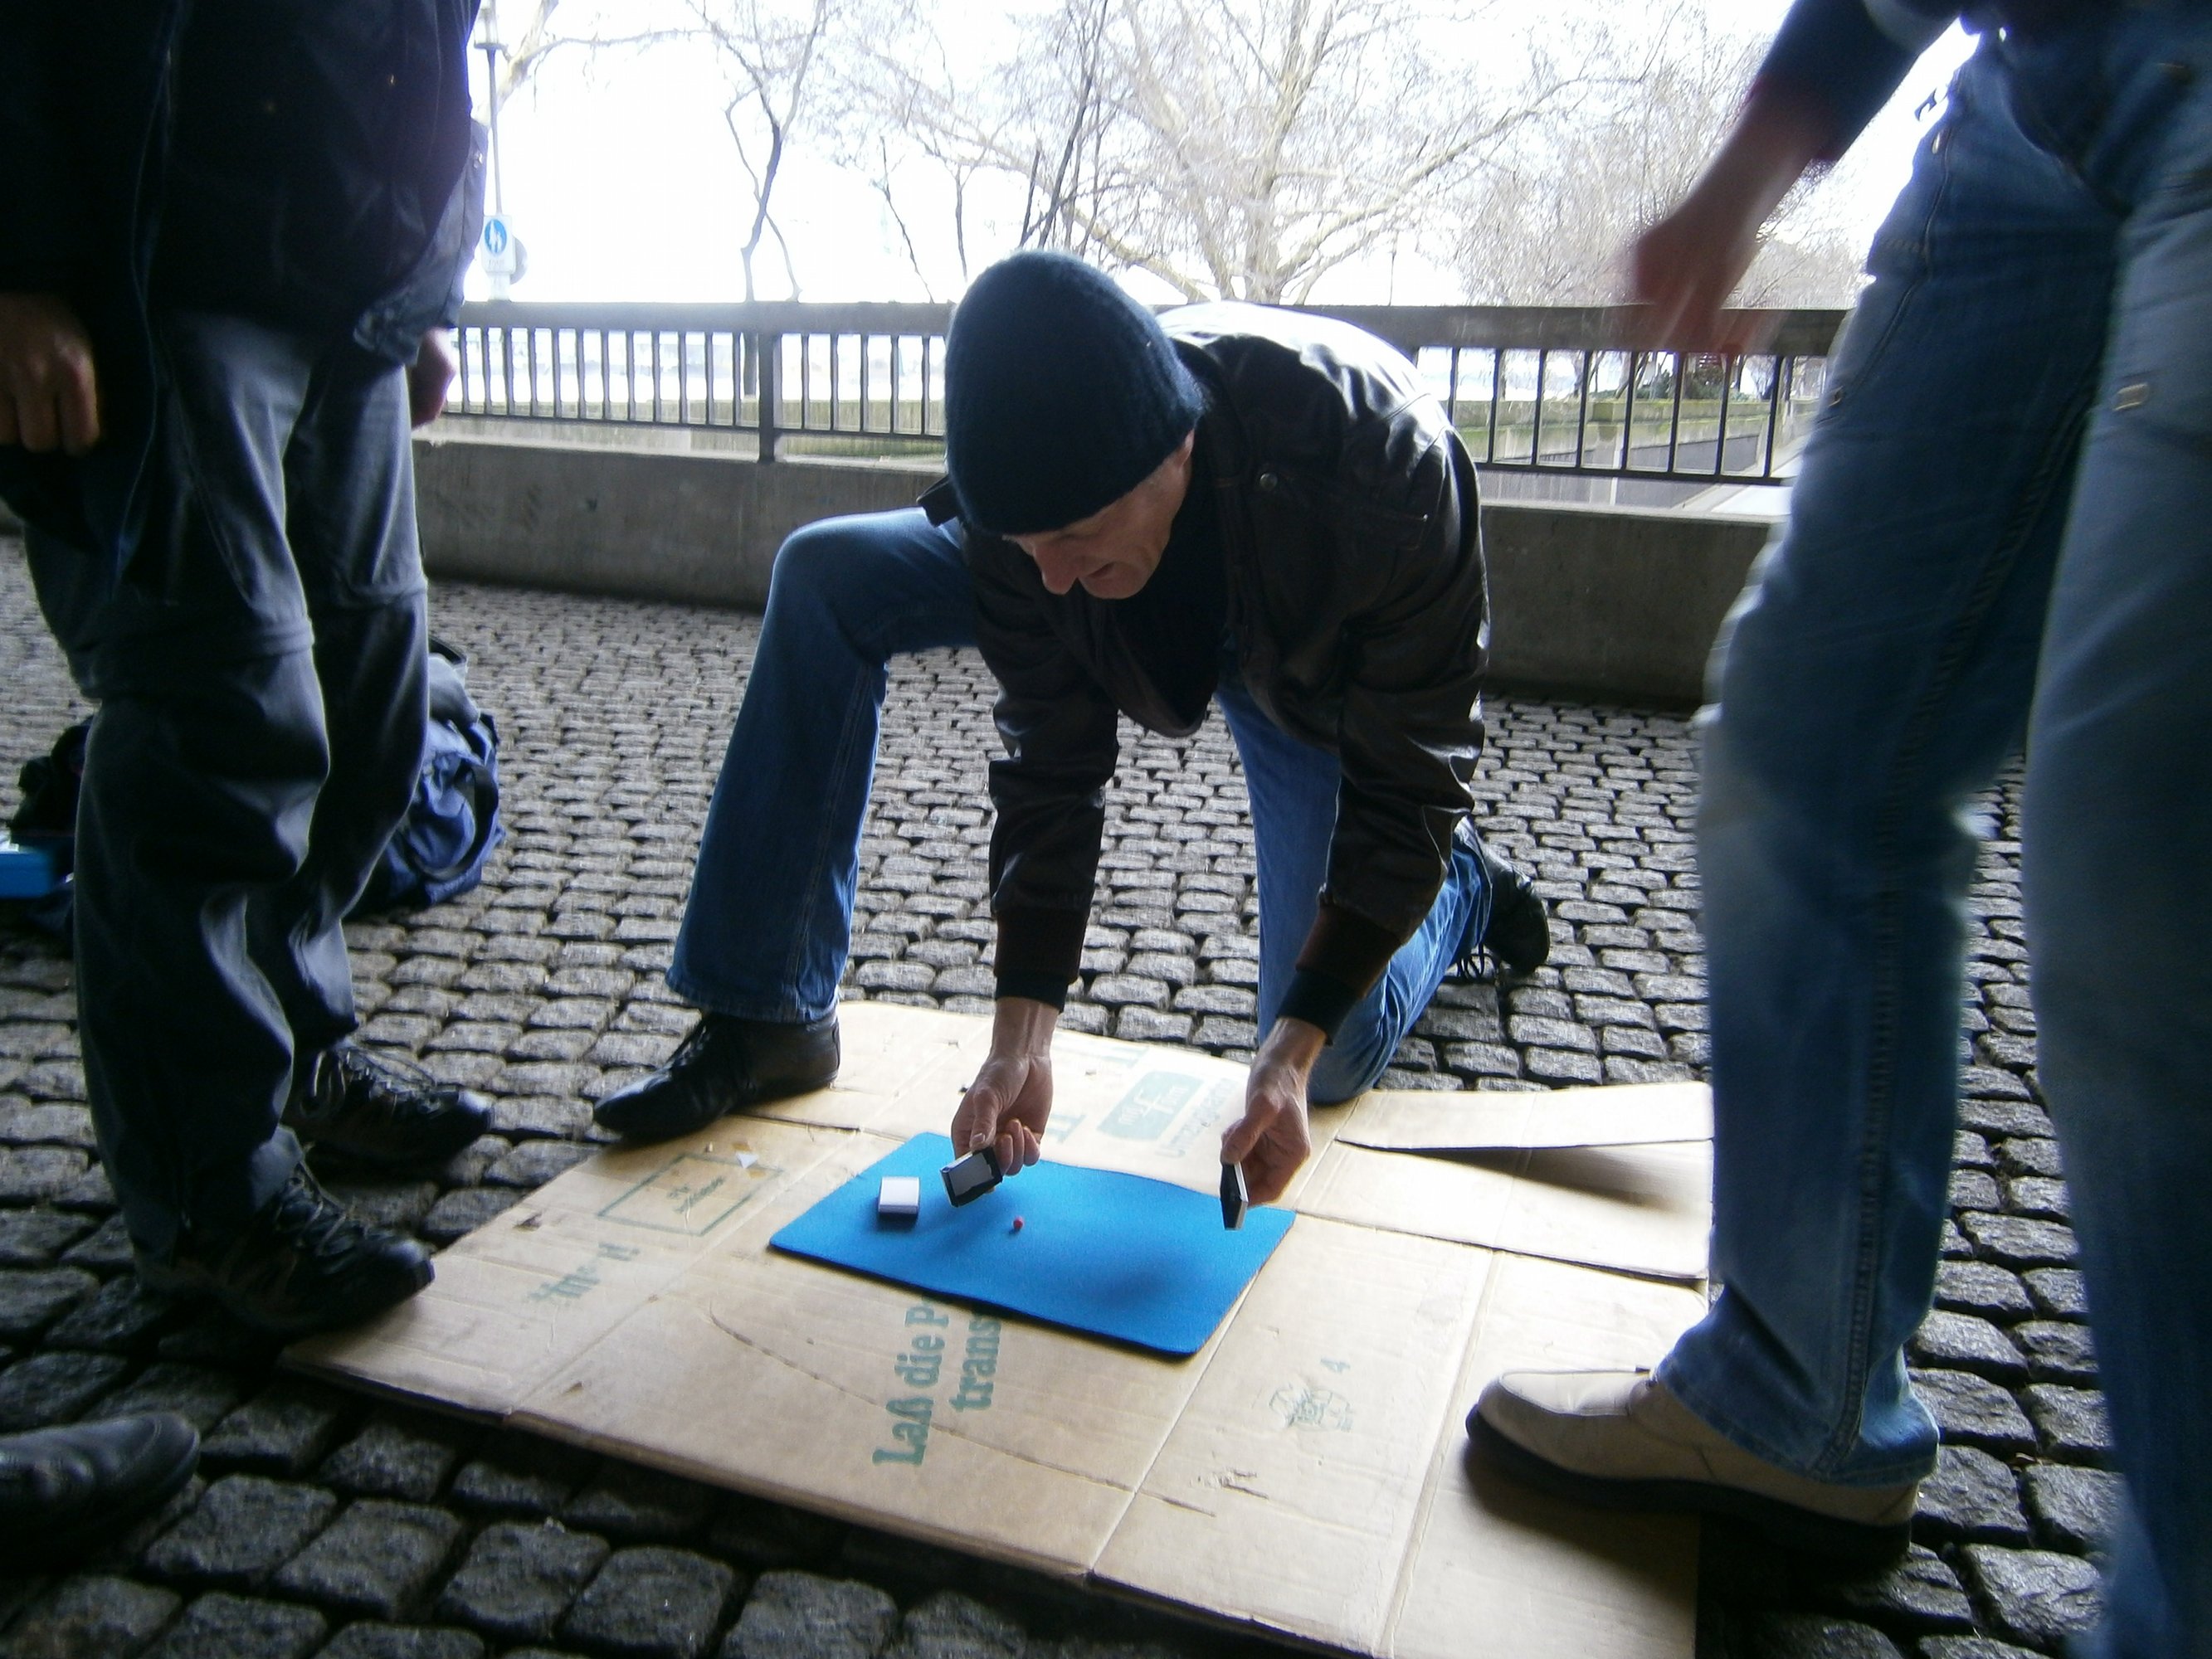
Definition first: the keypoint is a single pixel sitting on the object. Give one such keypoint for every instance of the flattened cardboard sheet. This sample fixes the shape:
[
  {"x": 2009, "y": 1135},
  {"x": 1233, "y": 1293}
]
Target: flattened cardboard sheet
[
  {"x": 1120, "y": 1256},
  {"x": 530, "y": 1290},
  {"x": 1303, "y": 1473},
  {"x": 775, "y": 1376},
  {"x": 1634, "y": 1209},
  {"x": 1318, "y": 1477},
  {"x": 1438, "y": 1121},
  {"x": 1498, "y": 1570}
]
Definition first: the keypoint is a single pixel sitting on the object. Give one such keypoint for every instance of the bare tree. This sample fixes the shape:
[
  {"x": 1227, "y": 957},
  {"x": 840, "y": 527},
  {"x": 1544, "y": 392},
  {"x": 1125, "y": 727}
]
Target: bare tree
[
  {"x": 1074, "y": 103},
  {"x": 786, "y": 63},
  {"x": 919, "y": 117},
  {"x": 1237, "y": 147},
  {"x": 1545, "y": 223},
  {"x": 774, "y": 58},
  {"x": 534, "y": 40}
]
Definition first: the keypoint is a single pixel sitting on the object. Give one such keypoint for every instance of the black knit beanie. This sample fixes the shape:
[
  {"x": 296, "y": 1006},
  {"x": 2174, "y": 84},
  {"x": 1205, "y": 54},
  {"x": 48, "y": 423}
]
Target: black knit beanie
[{"x": 1061, "y": 395}]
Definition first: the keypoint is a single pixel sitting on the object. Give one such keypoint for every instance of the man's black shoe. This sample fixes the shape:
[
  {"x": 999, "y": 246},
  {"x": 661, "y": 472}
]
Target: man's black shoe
[
  {"x": 725, "y": 1065},
  {"x": 1520, "y": 933},
  {"x": 352, "y": 1102},
  {"x": 302, "y": 1263},
  {"x": 65, "y": 1492},
  {"x": 1518, "y": 938}
]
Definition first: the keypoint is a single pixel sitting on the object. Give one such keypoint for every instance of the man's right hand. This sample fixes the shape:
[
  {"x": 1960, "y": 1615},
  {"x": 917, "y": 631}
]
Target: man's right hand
[
  {"x": 1011, "y": 1099},
  {"x": 49, "y": 397},
  {"x": 1685, "y": 266}
]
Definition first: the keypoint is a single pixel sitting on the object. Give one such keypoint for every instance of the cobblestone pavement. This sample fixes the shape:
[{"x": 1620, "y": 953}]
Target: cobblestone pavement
[{"x": 326, "y": 1524}]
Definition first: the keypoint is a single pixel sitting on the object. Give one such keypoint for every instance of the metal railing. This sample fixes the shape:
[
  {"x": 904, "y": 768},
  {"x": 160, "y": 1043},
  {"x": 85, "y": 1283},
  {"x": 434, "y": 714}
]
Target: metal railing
[{"x": 1534, "y": 390}]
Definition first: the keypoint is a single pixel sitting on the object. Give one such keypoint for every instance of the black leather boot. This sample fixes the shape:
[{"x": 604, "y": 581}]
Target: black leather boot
[
  {"x": 1520, "y": 933},
  {"x": 356, "y": 1103},
  {"x": 301, "y": 1263},
  {"x": 725, "y": 1065},
  {"x": 65, "y": 1492},
  {"x": 1518, "y": 938}
]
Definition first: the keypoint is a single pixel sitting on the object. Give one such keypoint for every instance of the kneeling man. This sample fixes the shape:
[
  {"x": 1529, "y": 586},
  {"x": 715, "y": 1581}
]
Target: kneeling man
[{"x": 1230, "y": 504}]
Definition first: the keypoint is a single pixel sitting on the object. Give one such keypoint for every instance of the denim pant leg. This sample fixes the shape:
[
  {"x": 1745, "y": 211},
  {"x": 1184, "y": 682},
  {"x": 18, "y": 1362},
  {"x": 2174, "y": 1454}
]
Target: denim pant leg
[
  {"x": 2117, "y": 837},
  {"x": 349, "y": 519},
  {"x": 195, "y": 943},
  {"x": 1872, "y": 680},
  {"x": 1294, "y": 787},
  {"x": 769, "y": 918}
]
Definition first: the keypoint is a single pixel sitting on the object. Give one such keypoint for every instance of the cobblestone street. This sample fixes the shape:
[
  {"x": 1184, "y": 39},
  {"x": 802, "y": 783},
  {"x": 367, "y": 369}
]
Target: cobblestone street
[{"x": 325, "y": 1523}]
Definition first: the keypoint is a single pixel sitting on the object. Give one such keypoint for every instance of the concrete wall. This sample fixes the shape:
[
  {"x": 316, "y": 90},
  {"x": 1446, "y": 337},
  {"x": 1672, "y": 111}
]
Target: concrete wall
[
  {"x": 1611, "y": 602},
  {"x": 701, "y": 527}
]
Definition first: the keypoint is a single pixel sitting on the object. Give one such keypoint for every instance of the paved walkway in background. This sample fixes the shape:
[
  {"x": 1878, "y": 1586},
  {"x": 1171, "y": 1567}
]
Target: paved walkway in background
[{"x": 325, "y": 1523}]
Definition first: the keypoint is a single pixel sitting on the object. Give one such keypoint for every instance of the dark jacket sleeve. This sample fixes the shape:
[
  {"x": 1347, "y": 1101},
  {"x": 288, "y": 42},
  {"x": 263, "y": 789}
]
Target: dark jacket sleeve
[
  {"x": 469, "y": 197},
  {"x": 429, "y": 296},
  {"x": 1412, "y": 725},
  {"x": 44, "y": 222},
  {"x": 1845, "y": 58},
  {"x": 1049, "y": 792}
]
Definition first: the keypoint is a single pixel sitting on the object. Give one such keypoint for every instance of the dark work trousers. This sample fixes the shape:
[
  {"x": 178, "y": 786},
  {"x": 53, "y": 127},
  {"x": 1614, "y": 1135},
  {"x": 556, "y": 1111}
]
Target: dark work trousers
[{"x": 258, "y": 666}]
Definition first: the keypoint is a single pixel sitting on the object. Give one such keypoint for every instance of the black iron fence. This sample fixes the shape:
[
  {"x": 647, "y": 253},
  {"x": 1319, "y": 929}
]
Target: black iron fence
[{"x": 1534, "y": 390}]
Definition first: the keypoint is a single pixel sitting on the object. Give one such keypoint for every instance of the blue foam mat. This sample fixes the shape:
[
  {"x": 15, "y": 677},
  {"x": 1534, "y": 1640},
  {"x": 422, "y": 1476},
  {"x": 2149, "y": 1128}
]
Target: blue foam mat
[{"x": 1115, "y": 1255}]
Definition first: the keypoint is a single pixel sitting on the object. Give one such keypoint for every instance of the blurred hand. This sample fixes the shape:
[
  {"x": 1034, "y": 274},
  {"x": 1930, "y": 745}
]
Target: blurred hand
[
  {"x": 1271, "y": 1139},
  {"x": 430, "y": 376},
  {"x": 1685, "y": 266},
  {"x": 48, "y": 396},
  {"x": 1011, "y": 1100}
]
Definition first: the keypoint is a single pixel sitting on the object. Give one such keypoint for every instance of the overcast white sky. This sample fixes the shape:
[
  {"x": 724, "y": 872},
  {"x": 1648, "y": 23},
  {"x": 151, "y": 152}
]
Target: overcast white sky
[{"x": 620, "y": 177}]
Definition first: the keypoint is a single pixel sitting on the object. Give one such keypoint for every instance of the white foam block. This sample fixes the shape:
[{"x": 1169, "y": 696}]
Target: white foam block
[{"x": 899, "y": 1196}]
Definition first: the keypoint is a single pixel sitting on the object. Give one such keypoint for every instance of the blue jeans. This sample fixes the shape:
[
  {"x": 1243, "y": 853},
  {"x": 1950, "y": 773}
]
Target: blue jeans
[
  {"x": 769, "y": 921},
  {"x": 2000, "y": 527}
]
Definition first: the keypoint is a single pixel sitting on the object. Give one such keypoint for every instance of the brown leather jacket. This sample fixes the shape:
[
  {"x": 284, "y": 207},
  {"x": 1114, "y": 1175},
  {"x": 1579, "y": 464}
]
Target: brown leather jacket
[{"x": 1358, "y": 612}]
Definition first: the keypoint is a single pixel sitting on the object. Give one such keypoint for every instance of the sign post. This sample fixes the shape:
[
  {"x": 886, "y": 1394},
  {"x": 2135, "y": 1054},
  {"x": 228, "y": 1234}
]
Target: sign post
[{"x": 501, "y": 253}]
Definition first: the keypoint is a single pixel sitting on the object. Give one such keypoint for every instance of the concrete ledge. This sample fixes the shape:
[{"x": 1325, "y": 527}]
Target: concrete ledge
[
  {"x": 1611, "y": 602},
  {"x": 698, "y": 527},
  {"x": 1603, "y": 602}
]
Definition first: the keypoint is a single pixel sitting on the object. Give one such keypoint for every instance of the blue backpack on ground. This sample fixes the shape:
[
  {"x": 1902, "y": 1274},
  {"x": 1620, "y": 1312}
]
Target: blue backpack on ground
[
  {"x": 442, "y": 846},
  {"x": 42, "y": 835},
  {"x": 440, "y": 849}
]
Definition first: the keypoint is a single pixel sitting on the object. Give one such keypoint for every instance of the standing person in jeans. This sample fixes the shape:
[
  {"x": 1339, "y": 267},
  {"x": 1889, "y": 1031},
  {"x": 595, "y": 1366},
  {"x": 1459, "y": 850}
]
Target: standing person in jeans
[
  {"x": 2001, "y": 526},
  {"x": 1246, "y": 506},
  {"x": 231, "y": 236}
]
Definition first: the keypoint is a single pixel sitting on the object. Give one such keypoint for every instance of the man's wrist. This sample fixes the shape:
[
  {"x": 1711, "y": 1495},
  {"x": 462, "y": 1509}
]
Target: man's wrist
[
  {"x": 1775, "y": 141},
  {"x": 1022, "y": 1026},
  {"x": 1294, "y": 1042}
]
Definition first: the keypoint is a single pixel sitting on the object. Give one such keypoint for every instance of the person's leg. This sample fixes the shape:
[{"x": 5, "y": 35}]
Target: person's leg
[
  {"x": 1368, "y": 1040},
  {"x": 200, "y": 787},
  {"x": 1873, "y": 678},
  {"x": 769, "y": 918},
  {"x": 200, "y": 779},
  {"x": 349, "y": 520},
  {"x": 2118, "y": 799},
  {"x": 1293, "y": 786}
]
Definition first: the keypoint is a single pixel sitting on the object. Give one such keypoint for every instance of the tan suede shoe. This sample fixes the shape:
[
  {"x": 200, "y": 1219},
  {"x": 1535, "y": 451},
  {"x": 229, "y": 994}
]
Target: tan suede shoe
[{"x": 1620, "y": 1440}]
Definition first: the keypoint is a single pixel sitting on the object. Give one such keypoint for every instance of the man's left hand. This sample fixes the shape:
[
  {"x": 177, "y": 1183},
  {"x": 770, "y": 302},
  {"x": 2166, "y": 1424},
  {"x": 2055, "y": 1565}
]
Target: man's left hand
[
  {"x": 430, "y": 376},
  {"x": 49, "y": 393},
  {"x": 1270, "y": 1140}
]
